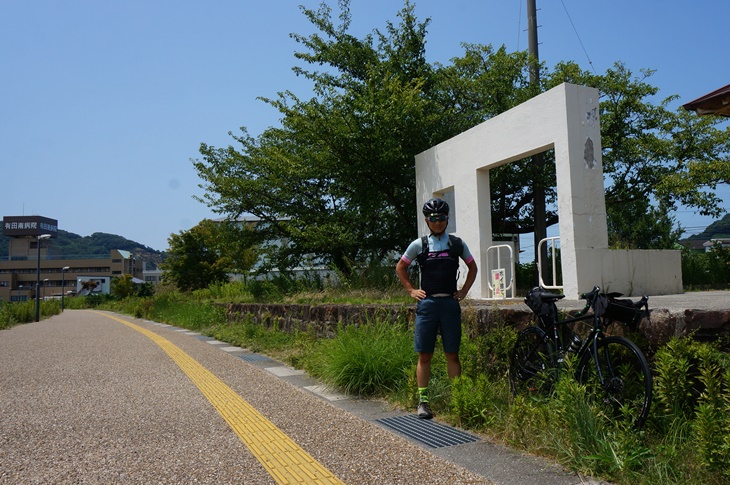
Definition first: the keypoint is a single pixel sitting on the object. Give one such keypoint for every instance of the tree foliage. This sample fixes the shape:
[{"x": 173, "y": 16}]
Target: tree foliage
[
  {"x": 124, "y": 286},
  {"x": 193, "y": 261},
  {"x": 208, "y": 253},
  {"x": 336, "y": 179}
]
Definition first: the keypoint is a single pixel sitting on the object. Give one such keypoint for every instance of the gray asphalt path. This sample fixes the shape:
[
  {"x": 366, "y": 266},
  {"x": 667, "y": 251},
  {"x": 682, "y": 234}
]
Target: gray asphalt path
[{"x": 86, "y": 399}]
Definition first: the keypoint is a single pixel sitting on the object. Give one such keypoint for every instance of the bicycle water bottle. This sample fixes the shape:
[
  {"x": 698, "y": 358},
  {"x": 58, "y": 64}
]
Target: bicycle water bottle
[{"x": 575, "y": 344}]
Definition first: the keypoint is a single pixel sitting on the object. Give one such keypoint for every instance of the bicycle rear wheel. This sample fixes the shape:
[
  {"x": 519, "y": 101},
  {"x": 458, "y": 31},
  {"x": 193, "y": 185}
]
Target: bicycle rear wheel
[
  {"x": 625, "y": 382},
  {"x": 531, "y": 363}
]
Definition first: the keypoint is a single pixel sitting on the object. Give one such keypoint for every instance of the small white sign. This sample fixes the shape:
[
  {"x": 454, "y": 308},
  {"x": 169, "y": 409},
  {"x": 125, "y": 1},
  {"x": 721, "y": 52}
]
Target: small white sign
[{"x": 498, "y": 282}]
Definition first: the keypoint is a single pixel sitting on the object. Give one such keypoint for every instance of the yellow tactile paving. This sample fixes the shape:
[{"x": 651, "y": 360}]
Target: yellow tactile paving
[{"x": 285, "y": 461}]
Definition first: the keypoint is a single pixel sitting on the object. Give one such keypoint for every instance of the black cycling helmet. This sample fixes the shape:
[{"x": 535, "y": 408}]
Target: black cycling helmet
[{"x": 435, "y": 206}]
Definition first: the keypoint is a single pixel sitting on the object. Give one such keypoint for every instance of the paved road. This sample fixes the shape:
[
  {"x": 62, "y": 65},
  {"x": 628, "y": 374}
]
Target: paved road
[{"x": 95, "y": 397}]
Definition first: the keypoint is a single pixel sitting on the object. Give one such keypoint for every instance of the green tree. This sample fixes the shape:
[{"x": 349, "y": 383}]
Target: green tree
[
  {"x": 123, "y": 286},
  {"x": 194, "y": 260}
]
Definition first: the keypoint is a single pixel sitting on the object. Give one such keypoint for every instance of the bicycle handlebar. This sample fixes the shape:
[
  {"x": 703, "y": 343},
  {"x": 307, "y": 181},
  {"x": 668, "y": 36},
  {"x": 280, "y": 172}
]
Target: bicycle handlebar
[{"x": 590, "y": 295}]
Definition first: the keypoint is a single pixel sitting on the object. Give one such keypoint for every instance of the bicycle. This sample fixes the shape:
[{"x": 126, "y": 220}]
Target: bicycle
[{"x": 612, "y": 368}]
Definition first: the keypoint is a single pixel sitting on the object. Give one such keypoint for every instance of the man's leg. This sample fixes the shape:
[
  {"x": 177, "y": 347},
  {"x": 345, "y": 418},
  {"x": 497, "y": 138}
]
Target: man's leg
[
  {"x": 453, "y": 364},
  {"x": 423, "y": 374},
  {"x": 451, "y": 336},
  {"x": 425, "y": 341},
  {"x": 423, "y": 369}
]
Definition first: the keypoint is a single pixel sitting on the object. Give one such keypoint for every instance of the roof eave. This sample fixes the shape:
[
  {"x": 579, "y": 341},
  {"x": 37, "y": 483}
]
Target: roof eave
[{"x": 715, "y": 103}]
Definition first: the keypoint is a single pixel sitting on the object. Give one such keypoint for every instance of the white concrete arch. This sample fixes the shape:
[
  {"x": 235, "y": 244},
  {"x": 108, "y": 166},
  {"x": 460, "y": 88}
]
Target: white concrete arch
[{"x": 565, "y": 118}]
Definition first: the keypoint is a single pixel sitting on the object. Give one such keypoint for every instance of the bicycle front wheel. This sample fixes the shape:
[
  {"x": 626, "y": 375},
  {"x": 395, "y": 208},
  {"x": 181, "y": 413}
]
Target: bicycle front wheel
[
  {"x": 619, "y": 376},
  {"x": 531, "y": 365}
]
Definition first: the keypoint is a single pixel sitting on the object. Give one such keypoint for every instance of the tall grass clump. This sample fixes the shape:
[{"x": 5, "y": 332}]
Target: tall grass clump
[
  {"x": 188, "y": 314},
  {"x": 233, "y": 291},
  {"x": 692, "y": 395},
  {"x": 366, "y": 360},
  {"x": 6, "y": 318},
  {"x": 478, "y": 402},
  {"x": 75, "y": 303},
  {"x": 21, "y": 312},
  {"x": 15, "y": 313}
]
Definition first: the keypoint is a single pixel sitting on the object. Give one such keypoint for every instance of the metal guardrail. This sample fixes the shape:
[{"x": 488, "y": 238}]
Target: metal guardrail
[
  {"x": 511, "y": 286},
  {"x": 554, "y": 258}
]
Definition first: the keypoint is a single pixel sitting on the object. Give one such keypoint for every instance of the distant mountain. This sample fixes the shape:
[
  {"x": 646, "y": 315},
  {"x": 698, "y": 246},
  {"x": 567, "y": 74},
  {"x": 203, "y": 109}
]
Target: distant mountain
[
  {"x": 717, "y": 230},
  {"x": 98, "y": 244}
]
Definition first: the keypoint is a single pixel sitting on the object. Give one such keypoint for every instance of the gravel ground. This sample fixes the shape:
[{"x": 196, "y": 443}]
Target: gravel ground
[{"x": 86, "y": 399}]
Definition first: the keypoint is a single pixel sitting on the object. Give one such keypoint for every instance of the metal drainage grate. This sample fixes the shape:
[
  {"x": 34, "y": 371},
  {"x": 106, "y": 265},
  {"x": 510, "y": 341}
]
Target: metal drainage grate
[
  {"x": 431, "y": 434},
  {"x": 253, "y": 357}
]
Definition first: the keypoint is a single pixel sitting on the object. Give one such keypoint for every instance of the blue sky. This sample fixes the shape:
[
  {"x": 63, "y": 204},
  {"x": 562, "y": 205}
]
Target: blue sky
[{"x": 104, "y": 104}]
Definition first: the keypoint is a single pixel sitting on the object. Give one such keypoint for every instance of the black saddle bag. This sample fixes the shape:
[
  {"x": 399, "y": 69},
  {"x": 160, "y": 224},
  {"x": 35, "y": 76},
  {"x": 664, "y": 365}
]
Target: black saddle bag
[{"x": 626, "y": 311}]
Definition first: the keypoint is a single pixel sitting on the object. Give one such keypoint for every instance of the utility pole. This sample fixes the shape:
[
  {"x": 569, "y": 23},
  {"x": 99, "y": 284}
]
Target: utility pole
[{"x": 538, "y": 189}]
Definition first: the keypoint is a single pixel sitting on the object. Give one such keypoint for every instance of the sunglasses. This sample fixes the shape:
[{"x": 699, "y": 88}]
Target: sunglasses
[{"x": 438, "y": 218}]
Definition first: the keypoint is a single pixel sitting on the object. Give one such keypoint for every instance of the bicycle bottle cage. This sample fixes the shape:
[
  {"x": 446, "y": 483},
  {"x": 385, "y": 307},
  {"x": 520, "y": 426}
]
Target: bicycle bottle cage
[{"x": 542, "y": 304}]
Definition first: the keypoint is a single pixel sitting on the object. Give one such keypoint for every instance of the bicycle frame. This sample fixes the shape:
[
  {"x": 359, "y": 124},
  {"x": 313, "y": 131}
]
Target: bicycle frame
[{"x": 590, "y": 343}]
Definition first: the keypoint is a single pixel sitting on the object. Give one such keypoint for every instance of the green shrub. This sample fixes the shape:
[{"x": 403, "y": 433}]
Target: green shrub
[
  {"x": 93, "y": 301},
  {"x": 189, "y": 314},
  {"x": 75, "y": 303},
  {"x": 477, "y": 402},
  {"x": 366, "y": 360},
  {"x": 265, "y": 291},
  {"x": 6, "y": 315},
  {"x": 14, "y": 313},
  {"x": 234, "y": 291},
  {"x": 709, "y": 269},
  {"x": 674, "y": 385}
]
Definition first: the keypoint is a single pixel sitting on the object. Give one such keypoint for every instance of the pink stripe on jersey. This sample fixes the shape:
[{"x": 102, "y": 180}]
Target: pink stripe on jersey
[{"x": 408, "y": 261}]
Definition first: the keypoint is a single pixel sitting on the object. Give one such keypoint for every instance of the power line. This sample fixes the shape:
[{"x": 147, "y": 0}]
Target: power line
[{"x": 578, "y": 35}]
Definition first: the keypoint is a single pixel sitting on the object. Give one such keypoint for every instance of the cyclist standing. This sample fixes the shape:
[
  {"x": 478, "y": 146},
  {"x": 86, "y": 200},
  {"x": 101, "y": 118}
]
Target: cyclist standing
[{"x": 438, "y": 309}]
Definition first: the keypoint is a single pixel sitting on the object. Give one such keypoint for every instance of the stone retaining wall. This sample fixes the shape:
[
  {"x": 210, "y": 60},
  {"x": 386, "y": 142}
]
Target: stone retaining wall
[{"x": 479, "y": 318}]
